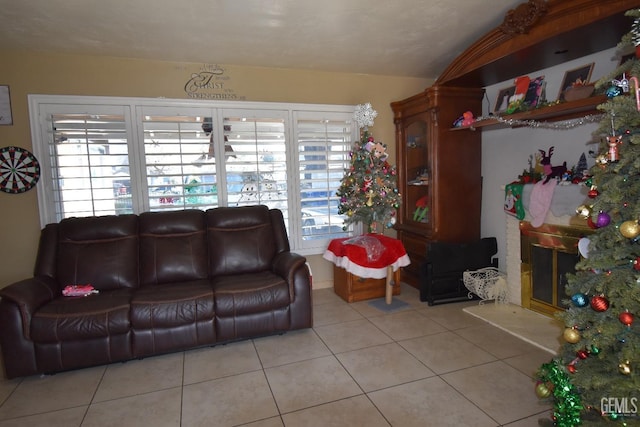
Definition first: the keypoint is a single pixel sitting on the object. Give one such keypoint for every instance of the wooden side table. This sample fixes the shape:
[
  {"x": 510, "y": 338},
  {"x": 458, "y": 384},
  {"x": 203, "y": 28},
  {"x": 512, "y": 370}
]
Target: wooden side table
[{"x": 367, "y": 266}]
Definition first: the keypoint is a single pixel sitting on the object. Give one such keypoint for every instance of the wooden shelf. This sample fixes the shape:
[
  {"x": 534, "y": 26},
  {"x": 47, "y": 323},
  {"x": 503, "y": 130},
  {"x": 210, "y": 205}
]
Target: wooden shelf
[{"x": 552, "y": 113}]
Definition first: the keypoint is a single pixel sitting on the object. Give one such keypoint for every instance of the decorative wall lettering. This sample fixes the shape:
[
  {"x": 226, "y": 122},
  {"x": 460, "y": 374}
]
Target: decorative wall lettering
[{"x": 211, "y": 82}]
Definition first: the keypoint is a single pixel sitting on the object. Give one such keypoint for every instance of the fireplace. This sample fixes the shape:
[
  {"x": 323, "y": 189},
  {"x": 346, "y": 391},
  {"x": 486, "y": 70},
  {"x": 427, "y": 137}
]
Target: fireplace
[{"x": 547, "y": 254}]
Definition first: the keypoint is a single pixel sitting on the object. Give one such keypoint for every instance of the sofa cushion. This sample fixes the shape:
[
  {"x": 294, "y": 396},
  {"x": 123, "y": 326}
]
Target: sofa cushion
[
  {"x": 101, "y": 251},
  {"x": 241, "y": 240},
  {"x": 171, "y": 305},
  {"x": 75, "y": 318},
  {"x": 173, "y": 247},
  {"x": 250, "y": 293}
]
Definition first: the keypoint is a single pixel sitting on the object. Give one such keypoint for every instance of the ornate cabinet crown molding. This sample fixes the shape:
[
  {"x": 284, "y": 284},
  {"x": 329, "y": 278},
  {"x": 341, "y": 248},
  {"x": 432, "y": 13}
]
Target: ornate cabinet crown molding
[{"x": 522, "y": 18}]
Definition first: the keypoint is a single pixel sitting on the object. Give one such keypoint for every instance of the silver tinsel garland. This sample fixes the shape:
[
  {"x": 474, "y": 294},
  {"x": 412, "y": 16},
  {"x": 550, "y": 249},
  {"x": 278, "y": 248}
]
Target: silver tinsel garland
[{"x": 562, "y": 124}]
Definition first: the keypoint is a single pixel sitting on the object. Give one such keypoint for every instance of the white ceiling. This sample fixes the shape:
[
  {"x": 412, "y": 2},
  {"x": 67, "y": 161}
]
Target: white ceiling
[{"x": 416, "y": 38}]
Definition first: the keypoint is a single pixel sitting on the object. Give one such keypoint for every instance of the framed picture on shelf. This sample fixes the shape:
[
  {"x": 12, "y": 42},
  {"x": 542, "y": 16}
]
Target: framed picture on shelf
[
  {"x": 535, "y": 93},
  {"x": 502, "y": 101},
  {"x": 580, "y": 75}
]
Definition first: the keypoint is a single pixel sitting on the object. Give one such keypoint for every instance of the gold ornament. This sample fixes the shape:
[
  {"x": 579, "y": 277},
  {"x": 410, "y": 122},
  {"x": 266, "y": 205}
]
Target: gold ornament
[
  {"x": 370, "y": 199},
  {"x": 349, "y": 212},
  {"x": 542, "y": 391},
  {"x": 602, "y": 160},
  {"x": 630, "y": 229},
  {"x": 571, "y": 335},
  {"x": 584, "y": 211},
  {"x": 625, "y": 367}
]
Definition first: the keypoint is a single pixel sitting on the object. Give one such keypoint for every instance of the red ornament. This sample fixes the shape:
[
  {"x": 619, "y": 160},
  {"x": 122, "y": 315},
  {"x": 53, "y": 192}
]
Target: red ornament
[
  {"x": 572, "y": 368},
  {"x": 591, "y": 224},
  {"x": 599, "y": 303},
  {"x": 626, "y": 318},
  {"x": 636, "y": 264},
  {"x": 582, "y": 354},
  {"x": 593, "y": 192}
]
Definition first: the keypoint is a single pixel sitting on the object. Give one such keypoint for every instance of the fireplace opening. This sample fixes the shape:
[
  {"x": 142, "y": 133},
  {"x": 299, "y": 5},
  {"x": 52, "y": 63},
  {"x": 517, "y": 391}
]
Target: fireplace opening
[{"x": 548, "y": 253}]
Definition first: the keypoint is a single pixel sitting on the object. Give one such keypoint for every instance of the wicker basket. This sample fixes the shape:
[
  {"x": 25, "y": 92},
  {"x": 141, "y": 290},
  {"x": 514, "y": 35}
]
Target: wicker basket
[
  {"x": 578, "y": 92},
  {"x": 488, "y": 283}
]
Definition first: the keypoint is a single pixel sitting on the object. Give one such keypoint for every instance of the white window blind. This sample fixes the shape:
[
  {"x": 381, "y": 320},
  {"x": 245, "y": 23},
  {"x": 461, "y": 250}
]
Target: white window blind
[
  {"x": 109, "y": 156},
  {"x": 90, "y": 159},
  {"x": 256, "y": 165},
  {"x": 323, "y": 146},
  {"x": 180, "y": 162}
]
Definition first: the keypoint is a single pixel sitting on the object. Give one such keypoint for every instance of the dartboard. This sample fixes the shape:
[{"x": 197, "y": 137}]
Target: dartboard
[{"x": 19, "y": 170}]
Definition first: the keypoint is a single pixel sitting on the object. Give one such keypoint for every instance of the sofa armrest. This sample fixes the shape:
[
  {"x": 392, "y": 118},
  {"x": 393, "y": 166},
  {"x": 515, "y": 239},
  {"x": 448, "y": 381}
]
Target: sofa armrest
[
  {"x": 285, "y": 264},
  {"x": 293, "y": 268},
  {"x": 29, "y": 295}
]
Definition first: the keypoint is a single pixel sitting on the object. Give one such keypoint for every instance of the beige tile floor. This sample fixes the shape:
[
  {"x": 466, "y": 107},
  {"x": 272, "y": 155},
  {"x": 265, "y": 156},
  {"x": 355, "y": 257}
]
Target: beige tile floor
[{"x": 358, "y": 366}]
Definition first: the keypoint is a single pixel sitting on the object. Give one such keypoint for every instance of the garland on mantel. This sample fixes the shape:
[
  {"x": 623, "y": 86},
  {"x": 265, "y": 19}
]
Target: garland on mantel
[{"x": 562, "y": 124}]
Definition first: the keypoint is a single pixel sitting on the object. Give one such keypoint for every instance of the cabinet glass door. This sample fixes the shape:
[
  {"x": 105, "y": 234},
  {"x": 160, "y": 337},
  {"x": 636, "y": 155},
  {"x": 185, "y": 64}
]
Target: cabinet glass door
[{"x": 417, "y": 197}]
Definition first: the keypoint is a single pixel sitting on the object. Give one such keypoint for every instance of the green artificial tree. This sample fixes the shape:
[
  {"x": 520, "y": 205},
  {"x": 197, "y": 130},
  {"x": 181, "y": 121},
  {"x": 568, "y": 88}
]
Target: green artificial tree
[
  {"x": 595, "y": 380},
  {"x": 368, "y": 191}
]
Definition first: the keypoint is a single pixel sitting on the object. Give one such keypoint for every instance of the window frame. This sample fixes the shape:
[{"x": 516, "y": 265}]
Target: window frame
[{"x": 132, "y": 108}]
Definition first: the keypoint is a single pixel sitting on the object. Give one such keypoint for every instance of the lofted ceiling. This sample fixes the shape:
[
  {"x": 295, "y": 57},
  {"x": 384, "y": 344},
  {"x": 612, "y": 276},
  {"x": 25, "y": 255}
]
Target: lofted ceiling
[{"x": 417, "y": 38}]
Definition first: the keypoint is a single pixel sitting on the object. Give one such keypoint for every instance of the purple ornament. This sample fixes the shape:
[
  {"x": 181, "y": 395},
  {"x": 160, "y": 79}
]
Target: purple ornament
[{"x": 603, "y": 220}]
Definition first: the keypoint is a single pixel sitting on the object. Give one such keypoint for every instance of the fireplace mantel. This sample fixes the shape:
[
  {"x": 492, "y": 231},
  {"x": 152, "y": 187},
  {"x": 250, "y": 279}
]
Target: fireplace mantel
[{"x": 566, "y": 197}]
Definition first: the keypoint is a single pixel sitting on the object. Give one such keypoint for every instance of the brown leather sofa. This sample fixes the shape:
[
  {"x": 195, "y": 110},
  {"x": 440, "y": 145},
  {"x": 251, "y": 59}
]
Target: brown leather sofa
[{"x": 167, "y": 281}]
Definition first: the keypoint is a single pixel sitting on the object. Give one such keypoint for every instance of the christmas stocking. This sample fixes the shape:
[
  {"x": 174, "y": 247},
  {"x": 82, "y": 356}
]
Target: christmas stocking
[
  {"x": 513, "y": 200},
  {"x": 541, "y": 196}
]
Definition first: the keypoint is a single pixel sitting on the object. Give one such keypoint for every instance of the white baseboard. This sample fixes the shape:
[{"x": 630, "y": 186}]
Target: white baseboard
[{"x": 322, "y": 284}]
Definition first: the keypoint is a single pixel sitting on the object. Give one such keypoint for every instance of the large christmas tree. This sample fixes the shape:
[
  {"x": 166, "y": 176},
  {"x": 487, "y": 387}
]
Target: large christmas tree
[
  {"x": 595, "y": 380},
  {"x": 368, "y": 191}
]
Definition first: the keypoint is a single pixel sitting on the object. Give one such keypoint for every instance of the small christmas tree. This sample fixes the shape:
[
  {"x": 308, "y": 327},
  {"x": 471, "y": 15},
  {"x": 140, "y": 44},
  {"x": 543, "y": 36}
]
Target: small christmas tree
[
  {"x": 368, "y": 191},
  {"x": 595, "y": 380}
]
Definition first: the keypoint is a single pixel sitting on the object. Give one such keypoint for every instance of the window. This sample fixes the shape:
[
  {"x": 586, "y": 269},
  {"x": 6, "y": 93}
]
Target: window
[
  {"x": 323, "y": 146},
  {"x": 106, "y": 156}
]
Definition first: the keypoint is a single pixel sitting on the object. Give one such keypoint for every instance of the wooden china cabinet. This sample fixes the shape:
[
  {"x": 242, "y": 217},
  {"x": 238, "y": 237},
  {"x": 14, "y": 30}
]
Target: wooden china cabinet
[
  {"x": 438, "y": 172},
  {"x": 439, "y": 166}
]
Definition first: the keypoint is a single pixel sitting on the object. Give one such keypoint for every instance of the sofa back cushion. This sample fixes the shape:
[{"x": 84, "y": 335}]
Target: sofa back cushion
[
  {"x": 101, "y": 251},
  {"x": 173, "y": 247},
  {"x": 241, "y": 240}
]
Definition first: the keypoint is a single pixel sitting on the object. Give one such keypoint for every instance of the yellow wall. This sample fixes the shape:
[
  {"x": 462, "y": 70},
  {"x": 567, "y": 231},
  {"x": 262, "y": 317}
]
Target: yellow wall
[{"x": 43, "y": 73}]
